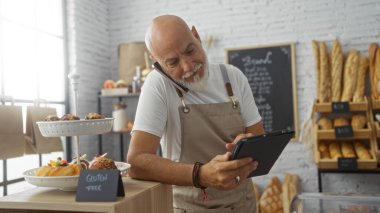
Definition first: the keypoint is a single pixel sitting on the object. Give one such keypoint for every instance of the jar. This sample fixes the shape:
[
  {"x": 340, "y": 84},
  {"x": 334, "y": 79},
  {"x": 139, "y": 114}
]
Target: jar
[{"x": 120, "y": 116}]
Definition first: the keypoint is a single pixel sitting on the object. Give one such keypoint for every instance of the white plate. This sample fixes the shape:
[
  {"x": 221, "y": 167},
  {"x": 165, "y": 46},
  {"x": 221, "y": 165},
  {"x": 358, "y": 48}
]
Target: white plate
[
  {"x": 65, "y": 183},
  {"x": 75, "y": 127}
]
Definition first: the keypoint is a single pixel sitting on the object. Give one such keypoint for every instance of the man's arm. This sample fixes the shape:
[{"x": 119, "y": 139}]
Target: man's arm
[{"x": 256, "y": 129}]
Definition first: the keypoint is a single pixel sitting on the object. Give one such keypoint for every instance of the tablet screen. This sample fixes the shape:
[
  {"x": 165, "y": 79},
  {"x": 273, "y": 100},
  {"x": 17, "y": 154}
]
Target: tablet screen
[{"x": 265, "y": 149}]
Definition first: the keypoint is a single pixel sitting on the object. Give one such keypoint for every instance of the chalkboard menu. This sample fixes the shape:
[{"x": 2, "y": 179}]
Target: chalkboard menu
[{"x": 271, "y": 74}]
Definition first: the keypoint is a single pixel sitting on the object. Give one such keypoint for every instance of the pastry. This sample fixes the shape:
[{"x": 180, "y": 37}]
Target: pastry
[
  {"x": 290, "y": 188},
  {"x": 325, "y": 74},
  {"x": 93, "y": 115},
  {"x": 348, "y": 150},
  {"x": 83, "y": 162},
  {"x": 271, "y": 199},
  {"x": 335, "y": 151},
  {"x": 358, "y": 121},
  {"x": 341, "y": 122},
  {"x": 59, "y": 168},
  {"x": 324, "y": 123},
  {"x": 109, "y": 84},
  {"x": 362, "y": 151},
  {"x": 121, "y": 84},
  {"x": 51, "y": 118},
  {"x": 315, "y": 47},
  {"x": 372, "y": 62},
  {"x": 102, "y": 162},
  {"x": 69, "y": 117},
  {"x": 323, "y": 150},
  {"x": 336, "y": 71},
  {"x": 359, "y": 92},
  {"x": 350, "y": 76}
]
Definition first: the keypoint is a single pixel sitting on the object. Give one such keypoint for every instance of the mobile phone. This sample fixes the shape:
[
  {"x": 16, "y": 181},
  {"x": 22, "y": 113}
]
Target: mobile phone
[
  {"x": 265, "y": 149},
  {"x": 176, "y": 84}
]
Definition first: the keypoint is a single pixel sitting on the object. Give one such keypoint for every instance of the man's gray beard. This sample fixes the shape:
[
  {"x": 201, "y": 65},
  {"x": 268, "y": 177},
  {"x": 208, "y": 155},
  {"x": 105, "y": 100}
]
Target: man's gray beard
[{"x": 199, "y": 84}]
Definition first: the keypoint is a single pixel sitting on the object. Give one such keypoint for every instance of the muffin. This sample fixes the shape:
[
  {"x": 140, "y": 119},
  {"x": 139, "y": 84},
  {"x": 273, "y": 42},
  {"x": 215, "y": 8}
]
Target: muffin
[
  {"x": 93, "y": 115},
  {"x": 83, "y": 162},
  {"x": 51, "y": 118},
  {"x": 102, "y": 162},
  {"x": 69, "y": 117}
]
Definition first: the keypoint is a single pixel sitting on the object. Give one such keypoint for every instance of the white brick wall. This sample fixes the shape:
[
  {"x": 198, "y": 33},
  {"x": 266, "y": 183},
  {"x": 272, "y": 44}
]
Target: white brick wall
[{"x": 99, "y": 26}]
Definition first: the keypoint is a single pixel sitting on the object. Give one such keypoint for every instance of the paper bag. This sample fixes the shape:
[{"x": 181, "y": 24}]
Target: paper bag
[
  {"x": 11, "y": 135},
  {"x": 130, "y": 56},
  {"x": 36, "y": 143}
]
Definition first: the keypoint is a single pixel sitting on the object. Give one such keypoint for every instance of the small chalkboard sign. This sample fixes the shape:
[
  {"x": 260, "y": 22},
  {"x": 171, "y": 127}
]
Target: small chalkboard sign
[
  {"x": 340, "y": 107},
  {"x": 344, "y": 131},
  {"x": 347, "y": 164},
  {"x": 270, "y": 71},
  {"x": 99, "y": 185}
]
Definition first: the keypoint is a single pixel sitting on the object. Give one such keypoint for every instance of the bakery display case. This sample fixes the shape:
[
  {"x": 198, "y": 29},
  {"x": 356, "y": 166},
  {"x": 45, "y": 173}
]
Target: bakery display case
[
  {"x": 335, "y": 203},
  {"x": 375, "y": 116}
]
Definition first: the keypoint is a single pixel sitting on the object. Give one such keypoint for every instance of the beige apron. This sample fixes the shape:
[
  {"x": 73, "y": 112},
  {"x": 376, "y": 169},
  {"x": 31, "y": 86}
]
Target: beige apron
[{"x": 205, "y": 129}]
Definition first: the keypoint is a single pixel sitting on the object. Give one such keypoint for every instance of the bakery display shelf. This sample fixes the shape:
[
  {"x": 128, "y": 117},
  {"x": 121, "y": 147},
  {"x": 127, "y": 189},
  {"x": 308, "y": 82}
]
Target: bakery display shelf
[
  {"x": 358, "y": 133},
  {"x": 333, "y": 164},
  {"x": 375, "y": 103},
  {"x": 353, "y": 106}
]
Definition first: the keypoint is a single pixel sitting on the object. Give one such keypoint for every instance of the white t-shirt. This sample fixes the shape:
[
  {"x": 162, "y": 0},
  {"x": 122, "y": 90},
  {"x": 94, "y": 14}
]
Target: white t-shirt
[{"x": 157, "y": 109}]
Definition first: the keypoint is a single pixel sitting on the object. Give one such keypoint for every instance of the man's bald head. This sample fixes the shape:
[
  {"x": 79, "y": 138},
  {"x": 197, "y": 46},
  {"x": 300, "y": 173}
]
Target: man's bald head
[{"x": 165, "y": 28}]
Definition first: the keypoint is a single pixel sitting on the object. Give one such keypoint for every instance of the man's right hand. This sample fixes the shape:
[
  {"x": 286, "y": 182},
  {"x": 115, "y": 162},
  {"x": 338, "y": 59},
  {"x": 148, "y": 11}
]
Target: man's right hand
[{"x": 221, "y": 172}]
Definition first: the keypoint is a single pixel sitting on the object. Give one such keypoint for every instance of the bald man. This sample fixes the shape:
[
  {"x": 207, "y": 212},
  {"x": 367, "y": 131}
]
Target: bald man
[{"x": 197, "y": 111}]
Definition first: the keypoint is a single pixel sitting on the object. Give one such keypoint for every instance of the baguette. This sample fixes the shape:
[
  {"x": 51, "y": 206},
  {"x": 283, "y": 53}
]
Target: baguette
[
  {"x": 372, "y": 59},
  {"x": 335, "y": 151},
  {"x": 290, "y": 188},
  {"x": 348, "y": 150},
  {"x": 336, "y": 71},
  {"x": 360, "y": 85},
  {"x": 325, "y": 74},
  {"x": 314, "y": 44},
  {"x": 362, "y": 151},
  {"x": 350, "y": 76}
]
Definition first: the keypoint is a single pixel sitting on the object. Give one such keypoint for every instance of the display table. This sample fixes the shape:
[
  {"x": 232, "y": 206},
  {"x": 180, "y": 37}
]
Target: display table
[{"x": 140, "y": 196}]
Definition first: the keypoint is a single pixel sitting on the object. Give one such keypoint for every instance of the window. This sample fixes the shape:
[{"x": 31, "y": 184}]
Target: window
[{"x": 32, "y": 52}]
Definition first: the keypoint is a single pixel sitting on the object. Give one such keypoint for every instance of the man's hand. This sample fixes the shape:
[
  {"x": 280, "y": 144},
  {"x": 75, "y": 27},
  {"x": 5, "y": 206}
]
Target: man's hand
[
  {"x": 222, "y": 173},
  {"x": 230, "y": 146}
]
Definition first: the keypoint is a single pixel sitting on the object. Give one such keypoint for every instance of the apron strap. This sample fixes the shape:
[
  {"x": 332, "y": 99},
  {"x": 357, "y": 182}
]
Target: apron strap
[
  {"x": 185, "y": 108},
  {"x": 227, "y": 83}
]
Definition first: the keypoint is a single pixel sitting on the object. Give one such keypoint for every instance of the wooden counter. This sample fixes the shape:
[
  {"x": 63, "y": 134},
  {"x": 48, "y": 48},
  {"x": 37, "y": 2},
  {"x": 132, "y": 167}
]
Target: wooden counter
[{"x": 140, "y": 196}]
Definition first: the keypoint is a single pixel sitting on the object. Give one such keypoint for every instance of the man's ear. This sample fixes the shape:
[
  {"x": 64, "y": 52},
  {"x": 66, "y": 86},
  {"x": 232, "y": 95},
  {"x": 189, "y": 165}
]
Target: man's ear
[{"x": 195, "y": 33}]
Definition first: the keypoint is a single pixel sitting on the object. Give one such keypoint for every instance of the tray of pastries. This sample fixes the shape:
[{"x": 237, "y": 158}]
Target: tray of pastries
[
  {"x": 72, "y": 125},
  {"x": 65, "y": 175}
]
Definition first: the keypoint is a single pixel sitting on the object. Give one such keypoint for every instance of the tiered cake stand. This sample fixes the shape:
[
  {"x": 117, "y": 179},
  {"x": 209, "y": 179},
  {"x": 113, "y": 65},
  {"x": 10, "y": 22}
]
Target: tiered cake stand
[{"x": 73, "y": 128}]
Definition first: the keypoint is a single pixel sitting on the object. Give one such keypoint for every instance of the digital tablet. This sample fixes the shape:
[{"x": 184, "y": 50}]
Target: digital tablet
[{"x": 265, "y": 149}]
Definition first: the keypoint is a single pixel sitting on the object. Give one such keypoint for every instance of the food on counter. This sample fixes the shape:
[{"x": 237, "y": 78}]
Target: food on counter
[
  {"x": 350, "y": 75},
  {"x": 324, "y": 123},
  {"x": 362, "y": 151},
  {"x": 341, "y": 122},
  {"x": 83, "y": 161},
  {"x": 336, "y": 71},
  {"x": 59, "y": 168},
  {"x": 94, "y": 115},
  {"x": 121, "y": 84},
  {"x": 372, "y": 63},
  {"x": 290, "y": 188},
  {"x": 102, "y": 162},
  {"x": 69, "y": 117},
  {"x": 358, "y": 121},
  {"x": 52, "y": 118},
  {"x": 348, "y": 150},
  {"x": 360, "y": 84},
  {"x": 271, "y": 199},
  {"x": 109, "y": 84},
  {"x": 335, "y": 151}
]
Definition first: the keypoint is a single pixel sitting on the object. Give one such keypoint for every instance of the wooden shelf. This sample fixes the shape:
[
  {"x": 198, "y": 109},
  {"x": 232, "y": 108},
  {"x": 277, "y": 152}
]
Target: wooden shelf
[
  {"x": 375, "y": 103},
  {"x": 353, "y": 106},
  {"x": 358, "y": 134}
]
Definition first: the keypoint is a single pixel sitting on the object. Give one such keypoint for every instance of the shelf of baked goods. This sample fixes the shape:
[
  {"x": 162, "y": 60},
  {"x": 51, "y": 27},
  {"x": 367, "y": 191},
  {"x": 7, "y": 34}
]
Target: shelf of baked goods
[
  {"x": 345, "y": 153},
  {"x": 341, "y": 106}
]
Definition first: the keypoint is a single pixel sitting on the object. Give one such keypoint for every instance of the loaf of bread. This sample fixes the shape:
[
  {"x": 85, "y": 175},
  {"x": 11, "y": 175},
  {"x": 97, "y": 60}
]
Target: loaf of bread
[
  {"x": 69, "y": 170},
  {"x": 290, "y": 188},
  {"x": 350, "y": 76},
  {"x": 361, "y": 151},
  {"x": 341, "y": 122},
  {"x": 336, "y": 71},
  {"x": 335, "y": 151},
  {"x": 372, "y": 61},
  {"x": 315, "y": 47},
  {"x": 358, "y": 121},
  {"x": 348, "y": 150},
  {"x": 324, "y": 123},
  {"x": 360, "y": 85},
  {"x": 271, "y": 199},
  {"x": 325, "y": 74}
]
